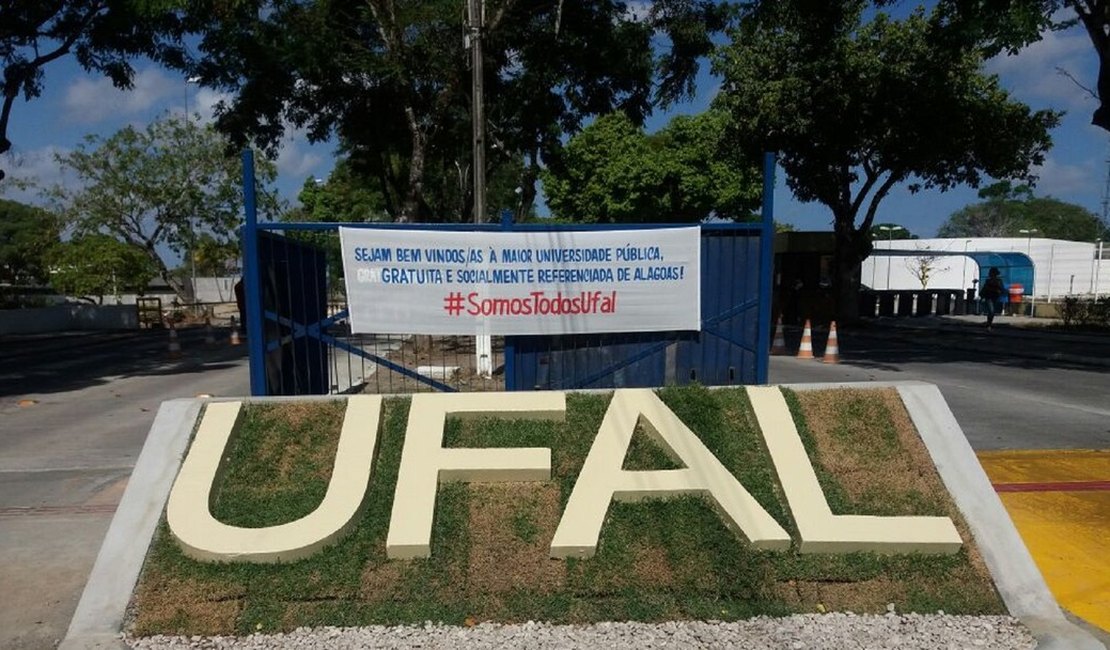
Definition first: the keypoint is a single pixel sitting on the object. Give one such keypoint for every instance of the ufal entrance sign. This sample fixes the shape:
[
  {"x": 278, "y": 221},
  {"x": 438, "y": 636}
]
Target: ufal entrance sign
[{"x": 425, "y": 463}]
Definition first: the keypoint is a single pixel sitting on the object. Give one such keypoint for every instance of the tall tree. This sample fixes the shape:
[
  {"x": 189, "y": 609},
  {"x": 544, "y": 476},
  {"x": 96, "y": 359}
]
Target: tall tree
[
  {"x": 26, "y": 234},
  {"x": 1006, "y": 210},
  {"x": 613, "y": 172},
  {"x": 95, "y": 265},
  {"x": 103, "y": 35},
  {"x": 160, "y": 190},
  {"x": 857, "y": 106},
  {"x": 392, "y": 79}
]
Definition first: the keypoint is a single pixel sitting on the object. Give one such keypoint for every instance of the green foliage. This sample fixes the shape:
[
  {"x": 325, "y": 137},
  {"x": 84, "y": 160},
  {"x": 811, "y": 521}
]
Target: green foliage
[
  {"x": 1085, "y": 313},
  {"x": 26, "y": 233},
  {"x": 95, "y": 265},
  {"x": 393, "y": 82},
  {"x": 1007, "y": 210},
  {"x": 344, "y": 196},
  {"x": 857, "y": 106},
  {"x": 613, "y": 172},
  {"x": 103, "y": 35},
  {"x": 215, "y": 257},
  {"x": 162, "y": 188}
]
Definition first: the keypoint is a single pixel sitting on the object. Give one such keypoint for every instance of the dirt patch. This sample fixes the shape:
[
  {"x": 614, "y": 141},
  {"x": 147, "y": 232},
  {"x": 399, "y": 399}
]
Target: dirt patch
[
  {"x": 515, "y": 523},
  {"x": 651, "y": 566},
  {"x": 867, "y": 441},
  {"x": 455, "y": 352},
  {"x": 179, "y": 605},
  {"x": 847, "y": 439},
  {"x": 382, "y": 581}
]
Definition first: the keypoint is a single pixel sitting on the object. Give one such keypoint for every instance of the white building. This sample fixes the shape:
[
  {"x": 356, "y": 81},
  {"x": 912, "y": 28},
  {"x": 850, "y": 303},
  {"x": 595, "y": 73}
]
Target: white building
[{"x": 1060, "y": 267}]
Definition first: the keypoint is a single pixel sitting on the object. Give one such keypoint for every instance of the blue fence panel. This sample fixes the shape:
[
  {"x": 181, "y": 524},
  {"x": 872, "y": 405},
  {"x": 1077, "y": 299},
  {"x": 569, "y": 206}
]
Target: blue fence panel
[
  {"x": 294, "y": 298},
  {"x": 725, "y": 352}
]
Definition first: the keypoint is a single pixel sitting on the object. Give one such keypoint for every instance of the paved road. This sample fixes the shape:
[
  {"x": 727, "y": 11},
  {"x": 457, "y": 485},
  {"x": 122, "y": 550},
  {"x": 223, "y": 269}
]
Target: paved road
[
  {"x": 1001, "y": 401},
  {"x": 66, "y": 453}
]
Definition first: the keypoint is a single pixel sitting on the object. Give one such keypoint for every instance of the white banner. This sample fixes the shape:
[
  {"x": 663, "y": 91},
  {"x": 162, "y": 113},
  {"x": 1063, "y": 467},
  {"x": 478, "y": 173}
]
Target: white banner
[{"x": 542, "y": 282}]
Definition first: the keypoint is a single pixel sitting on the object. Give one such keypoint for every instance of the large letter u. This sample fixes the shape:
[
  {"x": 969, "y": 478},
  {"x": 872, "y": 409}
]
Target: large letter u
[{"x": 203, "y": 538}]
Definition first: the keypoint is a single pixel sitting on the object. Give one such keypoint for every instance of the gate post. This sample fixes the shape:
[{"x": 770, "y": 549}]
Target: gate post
[
  {"x": 509, "y": 347},
  {"x": 766, "y": 269},
  {"x": 252, "y": 280}
]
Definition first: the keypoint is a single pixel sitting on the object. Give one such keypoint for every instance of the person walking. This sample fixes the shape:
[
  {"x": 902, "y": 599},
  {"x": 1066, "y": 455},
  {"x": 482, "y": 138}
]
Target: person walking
[{"x": 991, "y": 292}]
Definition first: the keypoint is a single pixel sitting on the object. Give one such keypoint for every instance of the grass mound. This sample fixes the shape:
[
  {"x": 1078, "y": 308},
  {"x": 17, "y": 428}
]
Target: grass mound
[{"x": 657, "y": 560}]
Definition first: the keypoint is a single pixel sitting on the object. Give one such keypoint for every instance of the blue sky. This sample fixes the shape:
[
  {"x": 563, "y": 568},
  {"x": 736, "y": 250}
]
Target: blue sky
[{"x": 75, "y": 104}]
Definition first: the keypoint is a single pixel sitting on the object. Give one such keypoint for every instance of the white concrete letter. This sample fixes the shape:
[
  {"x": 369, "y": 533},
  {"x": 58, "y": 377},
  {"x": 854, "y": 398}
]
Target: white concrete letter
[
  {"x": 424, "y": 461},
  {"x": 819, "y": 529},
  {"x": 203, "y": 538},
  {"x": 603, "y": 480}
]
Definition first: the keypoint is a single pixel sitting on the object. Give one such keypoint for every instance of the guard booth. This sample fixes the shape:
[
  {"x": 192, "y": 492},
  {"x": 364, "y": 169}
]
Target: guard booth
[{"x": 1016, "y": 269}]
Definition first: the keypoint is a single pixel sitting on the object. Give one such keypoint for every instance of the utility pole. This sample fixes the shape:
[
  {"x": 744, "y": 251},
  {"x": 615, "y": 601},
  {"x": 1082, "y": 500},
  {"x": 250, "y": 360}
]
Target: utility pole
[{"x": 475, "y": 10}]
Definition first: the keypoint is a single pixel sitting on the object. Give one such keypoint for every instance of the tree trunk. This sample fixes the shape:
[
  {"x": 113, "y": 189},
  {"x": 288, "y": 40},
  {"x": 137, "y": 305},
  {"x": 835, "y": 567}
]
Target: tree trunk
[
  {"x": 411, "y": 205},
  {"x": 1101, "y": 117},
  {"x": 852, "y": 247}
]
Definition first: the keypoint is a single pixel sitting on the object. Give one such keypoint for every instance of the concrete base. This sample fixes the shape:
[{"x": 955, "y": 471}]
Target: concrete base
[{"x": 99, "y": 616}]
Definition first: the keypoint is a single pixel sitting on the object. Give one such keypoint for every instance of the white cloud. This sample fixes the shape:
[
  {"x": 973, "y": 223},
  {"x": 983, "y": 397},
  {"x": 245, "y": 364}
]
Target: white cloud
[
  {"x": 88, "y": 101},
  {"x": 1033, "y": 74},
  {"x": 1061, "y": 179},
  {"x": 294, "y": 159}
]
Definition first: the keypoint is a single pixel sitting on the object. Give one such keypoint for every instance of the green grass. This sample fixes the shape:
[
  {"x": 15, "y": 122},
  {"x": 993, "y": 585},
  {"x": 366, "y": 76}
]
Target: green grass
[{"x": 657, "y": 560}]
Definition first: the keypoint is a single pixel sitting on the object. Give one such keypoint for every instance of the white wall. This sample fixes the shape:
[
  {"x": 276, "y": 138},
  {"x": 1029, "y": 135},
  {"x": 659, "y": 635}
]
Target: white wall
[
  {"x": 68, "y": 317},
  {"x": 1060, "y": 267}
]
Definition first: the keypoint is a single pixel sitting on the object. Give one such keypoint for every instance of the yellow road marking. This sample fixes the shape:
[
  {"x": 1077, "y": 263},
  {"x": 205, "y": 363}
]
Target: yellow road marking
[{"x": 1068, "y": 533}]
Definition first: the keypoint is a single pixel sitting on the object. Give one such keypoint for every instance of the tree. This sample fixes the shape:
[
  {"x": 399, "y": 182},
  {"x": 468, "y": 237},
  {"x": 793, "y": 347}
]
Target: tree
[
  {"x": 1008, "y": 25},
  {"x": 344, "y": 196},
  {"x": 613, "y": 172},
  {"x": 856, "y": 107},
  {"x": 1008, "y": 209},
  {"x": 215, "y": 257},
  {"x": 26, "y": 233},
  {"x": 924, "y": 266},
  {"x": 392, "y": 80},
  {"x": 160, "y": 189},
  {"x": 95, "y": 265},
  {"x": 102, "y": 34}
]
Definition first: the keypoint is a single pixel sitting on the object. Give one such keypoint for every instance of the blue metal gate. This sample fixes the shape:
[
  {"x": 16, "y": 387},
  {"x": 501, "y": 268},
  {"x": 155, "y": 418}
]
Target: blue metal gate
[{"x": 299, "y": 342}]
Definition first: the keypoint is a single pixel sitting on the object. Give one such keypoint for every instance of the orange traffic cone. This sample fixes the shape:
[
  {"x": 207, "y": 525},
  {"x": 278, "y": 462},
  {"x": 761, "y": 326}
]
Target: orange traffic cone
[
  {"x": 832, "y": 349},
  {"x": 209, "y": 335},
  {"x": 174, "y": 351},
  {"x": 805, "y": 350},
  {"x": 779, "y": 345}
]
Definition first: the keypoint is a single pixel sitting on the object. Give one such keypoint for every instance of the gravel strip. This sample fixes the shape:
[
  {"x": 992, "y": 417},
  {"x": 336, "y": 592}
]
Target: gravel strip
[{"x": 835, "y": 631}]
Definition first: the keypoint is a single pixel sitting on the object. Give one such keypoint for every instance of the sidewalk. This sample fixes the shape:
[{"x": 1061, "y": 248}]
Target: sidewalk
[{"x": 1013, "y": 336}]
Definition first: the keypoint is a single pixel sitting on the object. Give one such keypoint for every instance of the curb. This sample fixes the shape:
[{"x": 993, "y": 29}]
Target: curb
[
  {"x": 99, "y": 617},
  {"x": 97, "y": 623}
]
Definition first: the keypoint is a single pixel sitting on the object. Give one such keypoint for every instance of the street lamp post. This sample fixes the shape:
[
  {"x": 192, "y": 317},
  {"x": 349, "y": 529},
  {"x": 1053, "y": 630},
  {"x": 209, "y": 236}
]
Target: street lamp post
[
  {"x": 1028, "y": 232},
  {"x": 1098, "y": 266},
  {"x": 889, "y": 230},
  {"x": 963, "y": 274},
  {"x": 192, "y": 230}
]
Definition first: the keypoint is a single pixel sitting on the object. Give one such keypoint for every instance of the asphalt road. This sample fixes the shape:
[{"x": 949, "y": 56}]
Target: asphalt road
[
  {"x": 1001, "y": 401},
  {"x": 74, "y": 411}
]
